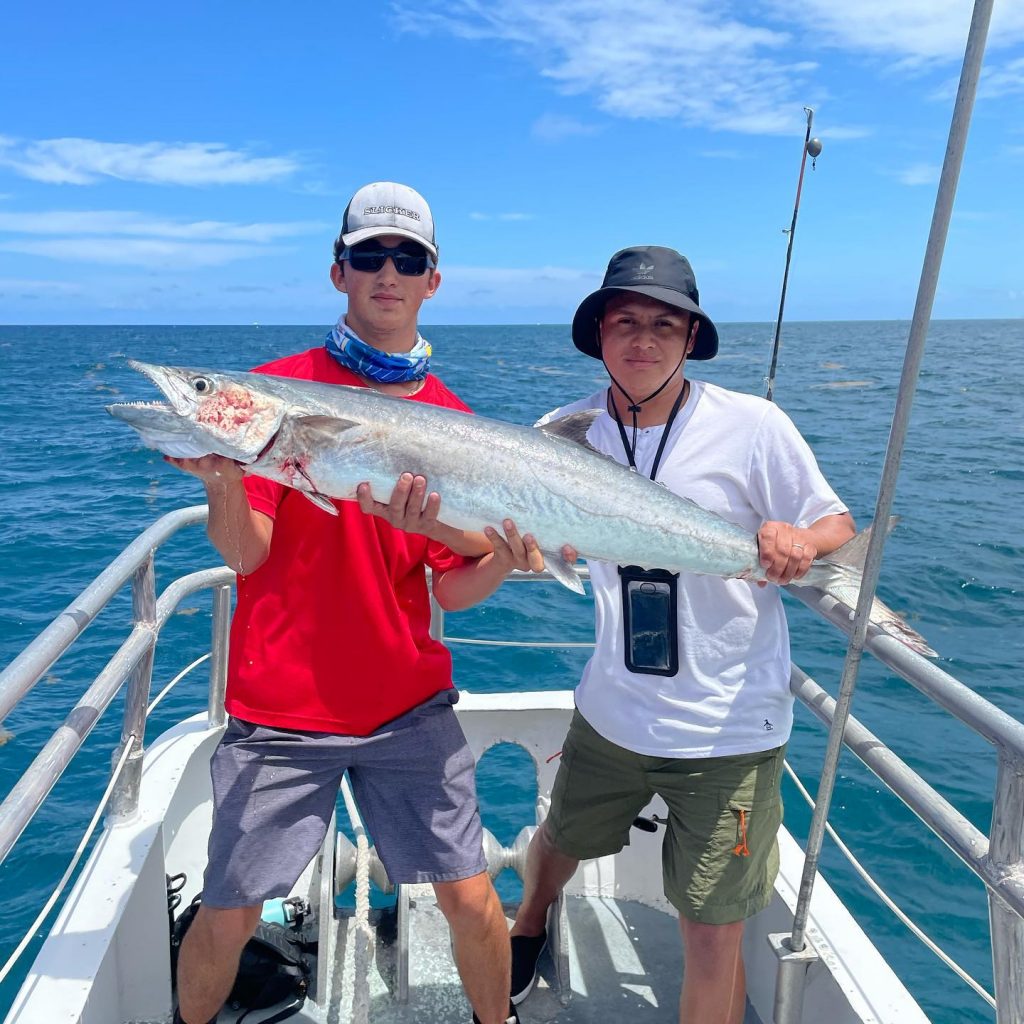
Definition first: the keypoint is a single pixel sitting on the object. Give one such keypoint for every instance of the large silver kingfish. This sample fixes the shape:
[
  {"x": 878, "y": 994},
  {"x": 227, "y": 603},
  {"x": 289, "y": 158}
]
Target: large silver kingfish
[{"x": 324, "y": 439}]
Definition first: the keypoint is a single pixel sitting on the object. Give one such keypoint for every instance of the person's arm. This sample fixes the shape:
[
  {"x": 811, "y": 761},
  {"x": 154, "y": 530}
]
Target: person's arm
[
  {"x": 469, "y": 584},
  {"x": 786, "y": 551},
  {"x": 239, "y": 533}
]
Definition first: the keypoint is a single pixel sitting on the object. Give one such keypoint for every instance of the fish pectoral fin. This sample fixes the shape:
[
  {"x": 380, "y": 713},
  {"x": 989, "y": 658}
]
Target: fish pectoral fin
[
  {"x": 574, "y": 428},
  {"x": 325, "y": 429},
  {"x": 321, "y": 501},
  {"x": 563, "y": 571}
]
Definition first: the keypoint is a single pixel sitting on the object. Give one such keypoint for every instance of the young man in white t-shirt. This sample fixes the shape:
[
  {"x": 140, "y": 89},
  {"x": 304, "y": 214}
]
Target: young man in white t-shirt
[{"x": 687, "y": 693}]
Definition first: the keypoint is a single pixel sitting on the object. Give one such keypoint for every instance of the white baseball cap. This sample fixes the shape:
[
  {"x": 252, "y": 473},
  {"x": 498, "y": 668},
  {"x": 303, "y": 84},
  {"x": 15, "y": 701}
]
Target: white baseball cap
[{"x": 387, "y": 208}]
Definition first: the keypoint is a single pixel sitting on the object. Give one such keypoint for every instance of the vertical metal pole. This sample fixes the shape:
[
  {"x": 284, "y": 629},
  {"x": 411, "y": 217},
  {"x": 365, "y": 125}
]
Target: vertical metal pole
[
  {"x": 436, "y": 619},
  {"x": 124, "y": 801},
  {"x": 792, "y": 1012},
  {"x": 220, "y": 633},
  {"x": 789, "y": 255},
  {"x": 1006, "y": 853}
]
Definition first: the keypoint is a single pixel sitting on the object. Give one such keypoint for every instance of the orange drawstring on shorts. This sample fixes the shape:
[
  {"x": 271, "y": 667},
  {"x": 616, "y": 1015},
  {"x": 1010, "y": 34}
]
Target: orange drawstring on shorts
[{"x": 741, "y": 849}]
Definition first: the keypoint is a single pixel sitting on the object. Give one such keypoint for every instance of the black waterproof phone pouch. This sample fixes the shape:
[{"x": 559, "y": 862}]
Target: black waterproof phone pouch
[{"x": 650, "y": 631}]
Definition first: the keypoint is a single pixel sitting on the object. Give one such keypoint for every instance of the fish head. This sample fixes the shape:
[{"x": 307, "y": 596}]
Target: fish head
[{"x": 205, "y": 412}]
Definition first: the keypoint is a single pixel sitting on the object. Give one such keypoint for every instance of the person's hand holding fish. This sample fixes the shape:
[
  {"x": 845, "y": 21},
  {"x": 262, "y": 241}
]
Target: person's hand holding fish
[
  {"x": 415, "y": 510},
  {"x": 410, "y": 508},
  {"x": 784, "y": 551},
  {"x": 211, "y": 469}
]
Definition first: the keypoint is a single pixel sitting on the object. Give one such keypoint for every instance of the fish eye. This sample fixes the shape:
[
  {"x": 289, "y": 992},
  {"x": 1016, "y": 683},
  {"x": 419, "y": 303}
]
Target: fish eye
[{"x": 202, "y": 385}]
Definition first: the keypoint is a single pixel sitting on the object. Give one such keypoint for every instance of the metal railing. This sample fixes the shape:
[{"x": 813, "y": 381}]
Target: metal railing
[
  {"x": 995, "y": 859},
  {"x": 134, "y": 660}
]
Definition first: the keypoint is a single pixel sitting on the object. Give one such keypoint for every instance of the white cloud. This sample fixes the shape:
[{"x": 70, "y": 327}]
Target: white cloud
[
  {"x": 915, "y": 30},
  {"x": 85, "y": 161},
  {"x": 112, "y": 237},
  {"x": 1007, "y": 80},
  {"x": 996, "y": 82},
  {"x": 684, "y": 59},
  {"x": 156, "y": 253},
  {"x": 126, "y": 222},
  {"x": 730, "y": 67},
  {"x": 556, "y": 127},
  {"x": 919, "y": 174}
]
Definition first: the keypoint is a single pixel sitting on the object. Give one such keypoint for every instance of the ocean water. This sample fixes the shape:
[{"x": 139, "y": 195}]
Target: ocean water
[{"x": 76, "y": 487}]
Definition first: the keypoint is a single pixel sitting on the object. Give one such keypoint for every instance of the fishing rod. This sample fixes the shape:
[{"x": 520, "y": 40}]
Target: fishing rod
[{"x": 812, "y": 148}]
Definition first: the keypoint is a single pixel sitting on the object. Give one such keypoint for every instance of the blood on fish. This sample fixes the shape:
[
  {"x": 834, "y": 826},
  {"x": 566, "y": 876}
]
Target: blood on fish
[
  {"x": 293, "y": 466},
  {"x": 227, "y": 409}
]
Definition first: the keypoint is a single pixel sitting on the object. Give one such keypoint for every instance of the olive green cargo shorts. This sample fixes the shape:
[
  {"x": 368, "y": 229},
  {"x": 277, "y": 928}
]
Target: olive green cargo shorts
[{"x": 720, "y": 854}]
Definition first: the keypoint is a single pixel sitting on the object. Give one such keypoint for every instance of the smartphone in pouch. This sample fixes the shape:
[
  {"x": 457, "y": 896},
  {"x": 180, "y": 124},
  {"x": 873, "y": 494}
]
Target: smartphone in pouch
[{"x": 651, "y": 633}]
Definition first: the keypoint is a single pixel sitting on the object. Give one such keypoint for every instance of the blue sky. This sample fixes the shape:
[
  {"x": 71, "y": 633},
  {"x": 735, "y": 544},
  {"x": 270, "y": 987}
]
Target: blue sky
[{"x": 189, "y": 163}]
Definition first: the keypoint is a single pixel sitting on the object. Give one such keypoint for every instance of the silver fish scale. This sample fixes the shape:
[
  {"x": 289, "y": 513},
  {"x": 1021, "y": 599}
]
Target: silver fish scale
[{"x": 487, "y": 470}]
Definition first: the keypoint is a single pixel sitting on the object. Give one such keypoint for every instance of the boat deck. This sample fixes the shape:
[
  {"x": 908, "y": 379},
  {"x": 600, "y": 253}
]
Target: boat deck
[{"x": 631, "y": 971}]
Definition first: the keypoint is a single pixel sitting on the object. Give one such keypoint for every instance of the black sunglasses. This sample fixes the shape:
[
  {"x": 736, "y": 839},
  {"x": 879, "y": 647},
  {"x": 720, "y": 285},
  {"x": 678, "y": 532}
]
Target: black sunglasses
[{"x": 370, "y": 258}]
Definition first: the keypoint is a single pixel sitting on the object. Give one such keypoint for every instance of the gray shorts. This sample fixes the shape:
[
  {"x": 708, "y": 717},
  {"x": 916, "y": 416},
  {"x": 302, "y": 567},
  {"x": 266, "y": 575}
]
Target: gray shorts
[{"x": 274, "y": 791}]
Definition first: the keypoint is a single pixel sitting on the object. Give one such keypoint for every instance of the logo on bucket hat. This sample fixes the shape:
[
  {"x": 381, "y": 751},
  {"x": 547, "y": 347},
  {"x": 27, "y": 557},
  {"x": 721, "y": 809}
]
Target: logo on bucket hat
[
  {"x": 388, "y": 208},
  {"x": 657, "y": 272}
]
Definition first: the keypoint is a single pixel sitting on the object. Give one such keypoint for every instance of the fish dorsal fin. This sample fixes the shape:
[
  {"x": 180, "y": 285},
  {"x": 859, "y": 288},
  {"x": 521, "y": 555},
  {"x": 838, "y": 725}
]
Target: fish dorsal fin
[
  {"x": 854, "y": 552},
  {"x": 574, "y": 428}
]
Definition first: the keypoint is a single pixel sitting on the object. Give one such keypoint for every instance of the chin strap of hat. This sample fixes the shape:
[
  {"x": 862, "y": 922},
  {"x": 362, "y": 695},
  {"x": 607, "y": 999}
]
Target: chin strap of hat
[{"x": 634, "y": 408}]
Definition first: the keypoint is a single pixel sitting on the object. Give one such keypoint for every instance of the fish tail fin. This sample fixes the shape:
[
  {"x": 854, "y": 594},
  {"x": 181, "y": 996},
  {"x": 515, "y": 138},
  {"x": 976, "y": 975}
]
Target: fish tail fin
[{"x": 841, "y": 577}]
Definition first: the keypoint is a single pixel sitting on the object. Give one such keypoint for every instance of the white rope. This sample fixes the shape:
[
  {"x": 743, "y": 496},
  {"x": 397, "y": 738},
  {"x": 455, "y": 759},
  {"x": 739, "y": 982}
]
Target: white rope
[
  {"x": 363, "y": 932},
  {"x": 55, "y": 895},
  {"x": 879, "y": 892},
  {"x": 174, "y": 682}
]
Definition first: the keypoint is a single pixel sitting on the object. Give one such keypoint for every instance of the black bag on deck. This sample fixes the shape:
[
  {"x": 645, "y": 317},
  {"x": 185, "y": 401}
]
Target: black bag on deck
[
  {"x": 274, "y": 967},
  {"x": 276, "y": 964}
]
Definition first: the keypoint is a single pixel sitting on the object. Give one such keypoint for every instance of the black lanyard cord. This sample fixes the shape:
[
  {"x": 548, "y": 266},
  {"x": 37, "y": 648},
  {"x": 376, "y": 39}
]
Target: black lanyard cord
[{"x": 634, "y": 408}]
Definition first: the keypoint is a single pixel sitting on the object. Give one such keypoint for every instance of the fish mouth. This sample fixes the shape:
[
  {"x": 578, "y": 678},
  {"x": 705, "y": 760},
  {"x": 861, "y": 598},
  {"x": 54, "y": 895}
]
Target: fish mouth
[
  {"x": 129, "y": 411},
  {"x": 209, "y": 410},
  {"x": 174, "y": 387}
]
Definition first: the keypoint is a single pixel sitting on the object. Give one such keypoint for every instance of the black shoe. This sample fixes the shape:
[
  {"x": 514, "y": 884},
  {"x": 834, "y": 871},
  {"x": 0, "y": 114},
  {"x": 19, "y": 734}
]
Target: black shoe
[
  {"x": 512, "y": 1018},
  {"x": 178, "y": 1020},
  {"x": 526, "y": 951}
]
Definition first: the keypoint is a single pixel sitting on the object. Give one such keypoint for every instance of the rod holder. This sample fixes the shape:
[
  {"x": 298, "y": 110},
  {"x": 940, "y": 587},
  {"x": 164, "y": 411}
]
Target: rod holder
[{"x": 791, "y": 977}]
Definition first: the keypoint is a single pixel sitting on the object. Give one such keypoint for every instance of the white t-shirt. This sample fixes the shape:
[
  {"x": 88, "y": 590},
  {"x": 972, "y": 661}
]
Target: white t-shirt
[{"x": 741, "y": 457}]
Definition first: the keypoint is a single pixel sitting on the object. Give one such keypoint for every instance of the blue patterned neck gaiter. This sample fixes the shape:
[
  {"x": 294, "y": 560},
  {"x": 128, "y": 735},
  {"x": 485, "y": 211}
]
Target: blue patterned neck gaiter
[{"x": 383, "y": 367}]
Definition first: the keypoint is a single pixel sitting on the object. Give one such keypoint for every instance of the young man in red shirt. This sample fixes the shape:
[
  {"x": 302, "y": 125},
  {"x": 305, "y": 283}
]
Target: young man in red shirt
[{"x": 332, "y": 666}]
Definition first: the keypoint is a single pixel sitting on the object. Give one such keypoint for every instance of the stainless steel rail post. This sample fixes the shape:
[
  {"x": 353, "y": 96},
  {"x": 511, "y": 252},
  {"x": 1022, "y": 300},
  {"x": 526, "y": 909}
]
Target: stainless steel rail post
[
  {"x": 436, "y": 619},
  {"x": 18, "y": 678},
  {"x": 792, "y": 971},
  {"x": 124, "y": 801},
  {"x": 1006, "y": 857},
  {"x": 220, "y": 633}
]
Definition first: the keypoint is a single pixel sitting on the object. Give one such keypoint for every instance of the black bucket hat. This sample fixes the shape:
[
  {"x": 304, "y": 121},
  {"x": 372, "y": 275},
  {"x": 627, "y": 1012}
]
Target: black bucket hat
[{"x": 656, "y": 272}]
